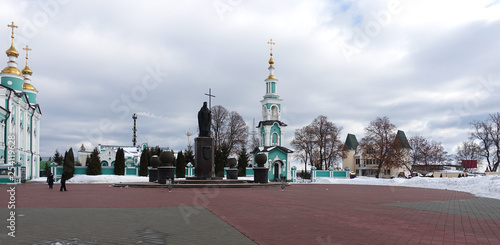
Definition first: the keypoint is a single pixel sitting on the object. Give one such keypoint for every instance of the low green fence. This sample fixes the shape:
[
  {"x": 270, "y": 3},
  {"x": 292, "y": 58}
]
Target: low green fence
[{"x": 328, "y": 174}]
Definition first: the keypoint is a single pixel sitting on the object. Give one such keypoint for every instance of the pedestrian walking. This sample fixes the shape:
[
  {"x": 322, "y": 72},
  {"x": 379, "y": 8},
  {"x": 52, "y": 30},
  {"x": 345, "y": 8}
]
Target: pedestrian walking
[
  {"x": 50, "y": 180},
  {"x": 63, "y": 183}
]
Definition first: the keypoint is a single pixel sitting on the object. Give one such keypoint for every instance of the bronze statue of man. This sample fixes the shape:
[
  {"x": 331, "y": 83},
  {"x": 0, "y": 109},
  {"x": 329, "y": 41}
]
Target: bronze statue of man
[{"x": 204, "y": 120}]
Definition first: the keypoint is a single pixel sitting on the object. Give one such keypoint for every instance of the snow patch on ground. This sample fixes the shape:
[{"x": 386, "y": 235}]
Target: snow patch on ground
[
  {"x": 99, "y": 179},
  {"x": 481, "y": 186}
]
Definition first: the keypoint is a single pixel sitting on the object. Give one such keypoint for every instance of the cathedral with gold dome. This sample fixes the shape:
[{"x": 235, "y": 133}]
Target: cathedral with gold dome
[{"x": 19, "y": 120}]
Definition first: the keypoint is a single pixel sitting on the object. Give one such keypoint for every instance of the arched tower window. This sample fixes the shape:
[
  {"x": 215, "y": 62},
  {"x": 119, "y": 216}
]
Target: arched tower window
[
  {"x": 275, "y": 139},
  {"x": 274, "y": 113}
]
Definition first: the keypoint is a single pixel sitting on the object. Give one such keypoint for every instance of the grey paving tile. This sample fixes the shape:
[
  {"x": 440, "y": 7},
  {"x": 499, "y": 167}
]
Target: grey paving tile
[
  {"x": 150, "y": 225},
  {"x": 479, "y": 207}
]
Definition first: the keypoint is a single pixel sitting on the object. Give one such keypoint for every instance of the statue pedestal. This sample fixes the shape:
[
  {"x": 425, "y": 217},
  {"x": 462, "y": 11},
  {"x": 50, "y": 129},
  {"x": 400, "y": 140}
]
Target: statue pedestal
[
  {"x": 164, "y": 173},
  {"x": 260, "y": 175},
  {"x": 204, "y": 155},
  {"x": 153, "y": 174},
  {"x": 232, "y": 173}
]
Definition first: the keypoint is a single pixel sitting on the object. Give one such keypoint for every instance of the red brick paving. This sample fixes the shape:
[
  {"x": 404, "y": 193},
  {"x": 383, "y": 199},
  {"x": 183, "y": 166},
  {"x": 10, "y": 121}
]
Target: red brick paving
[{"x": 302, "y": 214}]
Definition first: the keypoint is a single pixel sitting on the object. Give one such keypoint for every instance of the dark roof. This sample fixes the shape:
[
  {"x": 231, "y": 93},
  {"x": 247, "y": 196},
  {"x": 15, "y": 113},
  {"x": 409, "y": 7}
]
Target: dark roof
[
  {"x": 402, "y": 139},
  {"x": 351, "y": 142},
  {"x": 271, "y": 148},
  {"x": 271, "y": 122}
]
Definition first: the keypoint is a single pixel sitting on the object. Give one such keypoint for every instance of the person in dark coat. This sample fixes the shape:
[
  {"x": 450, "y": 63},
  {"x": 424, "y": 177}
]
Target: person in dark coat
[
  {"x": 63, "y": 183},
  {"x": 50, "y": 180}
]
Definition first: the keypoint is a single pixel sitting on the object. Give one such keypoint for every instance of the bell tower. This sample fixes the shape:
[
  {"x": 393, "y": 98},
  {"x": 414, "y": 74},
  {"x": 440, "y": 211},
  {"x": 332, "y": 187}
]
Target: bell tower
[{"x": 271, "y": 127}]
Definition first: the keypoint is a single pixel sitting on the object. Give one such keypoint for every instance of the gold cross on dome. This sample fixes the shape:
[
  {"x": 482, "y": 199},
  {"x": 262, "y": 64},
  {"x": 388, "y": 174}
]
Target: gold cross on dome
[
  {"x": 27, "y": 49},
  {"x": 272, "y": 43},
  {"x": 12, "y": 26}
]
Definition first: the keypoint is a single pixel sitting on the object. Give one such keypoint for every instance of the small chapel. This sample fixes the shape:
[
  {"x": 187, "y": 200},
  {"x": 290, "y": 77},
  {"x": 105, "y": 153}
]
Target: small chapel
[
  {"x": 19, "y": 120},
  {"x": 271, "y": 130}
]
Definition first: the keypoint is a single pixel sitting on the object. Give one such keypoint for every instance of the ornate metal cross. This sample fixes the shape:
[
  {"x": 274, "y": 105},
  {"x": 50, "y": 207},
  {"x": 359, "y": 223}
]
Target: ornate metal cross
[
  {"x": 27, "y": 49},
  {"x": 272, "y": 43},
  {"x": 12, "y": 26}
]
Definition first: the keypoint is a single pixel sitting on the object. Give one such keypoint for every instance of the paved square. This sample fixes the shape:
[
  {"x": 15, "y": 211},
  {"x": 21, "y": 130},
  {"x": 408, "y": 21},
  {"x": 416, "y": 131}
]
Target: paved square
[{"x": 302, "y": 214}]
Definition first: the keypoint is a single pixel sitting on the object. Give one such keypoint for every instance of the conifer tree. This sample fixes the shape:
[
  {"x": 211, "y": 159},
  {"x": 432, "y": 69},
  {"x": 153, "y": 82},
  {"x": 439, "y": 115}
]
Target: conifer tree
[
  {"x": 94, "y": 167},
  {"x": 87, "y": 161},
  {"x": 189, "y": 156},
  {"x": 69, "y": 164},
  {"x": 47, "y": 168},
  {"x": 144, "y": 162},
  {"x": 58, "y": 158},
  {"x": 180, "y": 167},
  {"x": 243, "y": 160},
  {"x": 220, "y": 160},
  {"x": 120, "y": 162}
]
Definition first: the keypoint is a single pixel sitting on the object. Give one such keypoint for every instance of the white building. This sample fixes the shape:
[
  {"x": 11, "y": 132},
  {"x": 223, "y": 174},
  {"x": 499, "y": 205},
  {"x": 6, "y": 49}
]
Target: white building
[
  {"x": 107, "y": 154},
  {"x": 19, "y": 120}
]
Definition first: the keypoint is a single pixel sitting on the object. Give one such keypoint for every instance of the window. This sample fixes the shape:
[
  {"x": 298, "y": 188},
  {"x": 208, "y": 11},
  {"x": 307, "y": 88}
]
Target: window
[
  {"x": 275, "y": 139},
  {"x": 274, "y": 112}
]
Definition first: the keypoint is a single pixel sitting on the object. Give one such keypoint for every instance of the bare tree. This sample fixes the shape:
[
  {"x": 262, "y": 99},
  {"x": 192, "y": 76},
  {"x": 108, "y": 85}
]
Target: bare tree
[
  {"x": 424, "y": 152},
  {"x": 303, "y": 145},
  {"x": 237, "y": 133},
  {"x": 228, "y": 129},
  {"x": 219, "y": 120},
  {"x": 469, "y": 150},
  {"x": 319, "y": 142},
  {"x": 488, "y": 134},
  {"x": 378, "y": 144},
  {"x": 330, "y": 148}
]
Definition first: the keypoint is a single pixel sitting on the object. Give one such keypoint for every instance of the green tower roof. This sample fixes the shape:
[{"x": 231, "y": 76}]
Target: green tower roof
[
  {"x": 351, "y": 142},
  {"x": 402, "y": 139}
]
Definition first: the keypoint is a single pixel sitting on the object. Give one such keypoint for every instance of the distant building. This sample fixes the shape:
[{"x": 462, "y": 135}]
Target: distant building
[
  {"x": 368, "y": 167},
  {"x": 107, "y": 154},
  {"x": 271, "y": 131},
  {"x": 19, "y": 120}
]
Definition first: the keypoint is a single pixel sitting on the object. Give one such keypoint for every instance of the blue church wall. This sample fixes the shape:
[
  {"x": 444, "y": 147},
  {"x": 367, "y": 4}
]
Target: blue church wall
[
  {"x": 31, "y": 97},
  {"x": 16, "y": 83},
  {"x": 269, "y": 105}
]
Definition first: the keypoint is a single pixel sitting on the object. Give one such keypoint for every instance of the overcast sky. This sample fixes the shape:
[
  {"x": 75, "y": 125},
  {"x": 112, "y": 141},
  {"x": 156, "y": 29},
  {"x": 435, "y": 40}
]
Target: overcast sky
[{"x": 430, "y": 66}]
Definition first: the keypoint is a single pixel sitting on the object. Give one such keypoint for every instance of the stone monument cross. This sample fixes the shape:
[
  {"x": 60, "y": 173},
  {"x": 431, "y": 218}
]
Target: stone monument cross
[{"x": 210, "y": 95}]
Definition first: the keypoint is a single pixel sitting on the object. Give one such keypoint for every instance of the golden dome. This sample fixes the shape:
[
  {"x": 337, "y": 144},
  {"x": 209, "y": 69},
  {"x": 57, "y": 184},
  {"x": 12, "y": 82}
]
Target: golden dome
[
  {"x": 271, "y": 77},
  {"x": 12, "y": 51},
  {"x": 271, "y": 61},
  {"x": 27, "y": 70},
  {"x": 28, "y": 86},
  {"x": 12, "y": 70}
]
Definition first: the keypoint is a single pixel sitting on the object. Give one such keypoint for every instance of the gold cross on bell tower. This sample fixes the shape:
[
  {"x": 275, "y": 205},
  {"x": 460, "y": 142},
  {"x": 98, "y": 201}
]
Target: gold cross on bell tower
[
  {"x": 272, "y": 43},
  {"x": 27, "y": 49},
  {"x": 12, "y": 26},
  {"x": 271, "y": 61}
]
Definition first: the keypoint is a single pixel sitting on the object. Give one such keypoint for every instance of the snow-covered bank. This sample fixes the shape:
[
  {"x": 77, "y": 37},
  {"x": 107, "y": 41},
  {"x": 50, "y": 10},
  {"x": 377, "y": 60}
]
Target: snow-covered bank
[
  {"x": 108, "y": 179},
  {"x": 481, "y": 186},
  {"x": 99, "y": 179}
]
